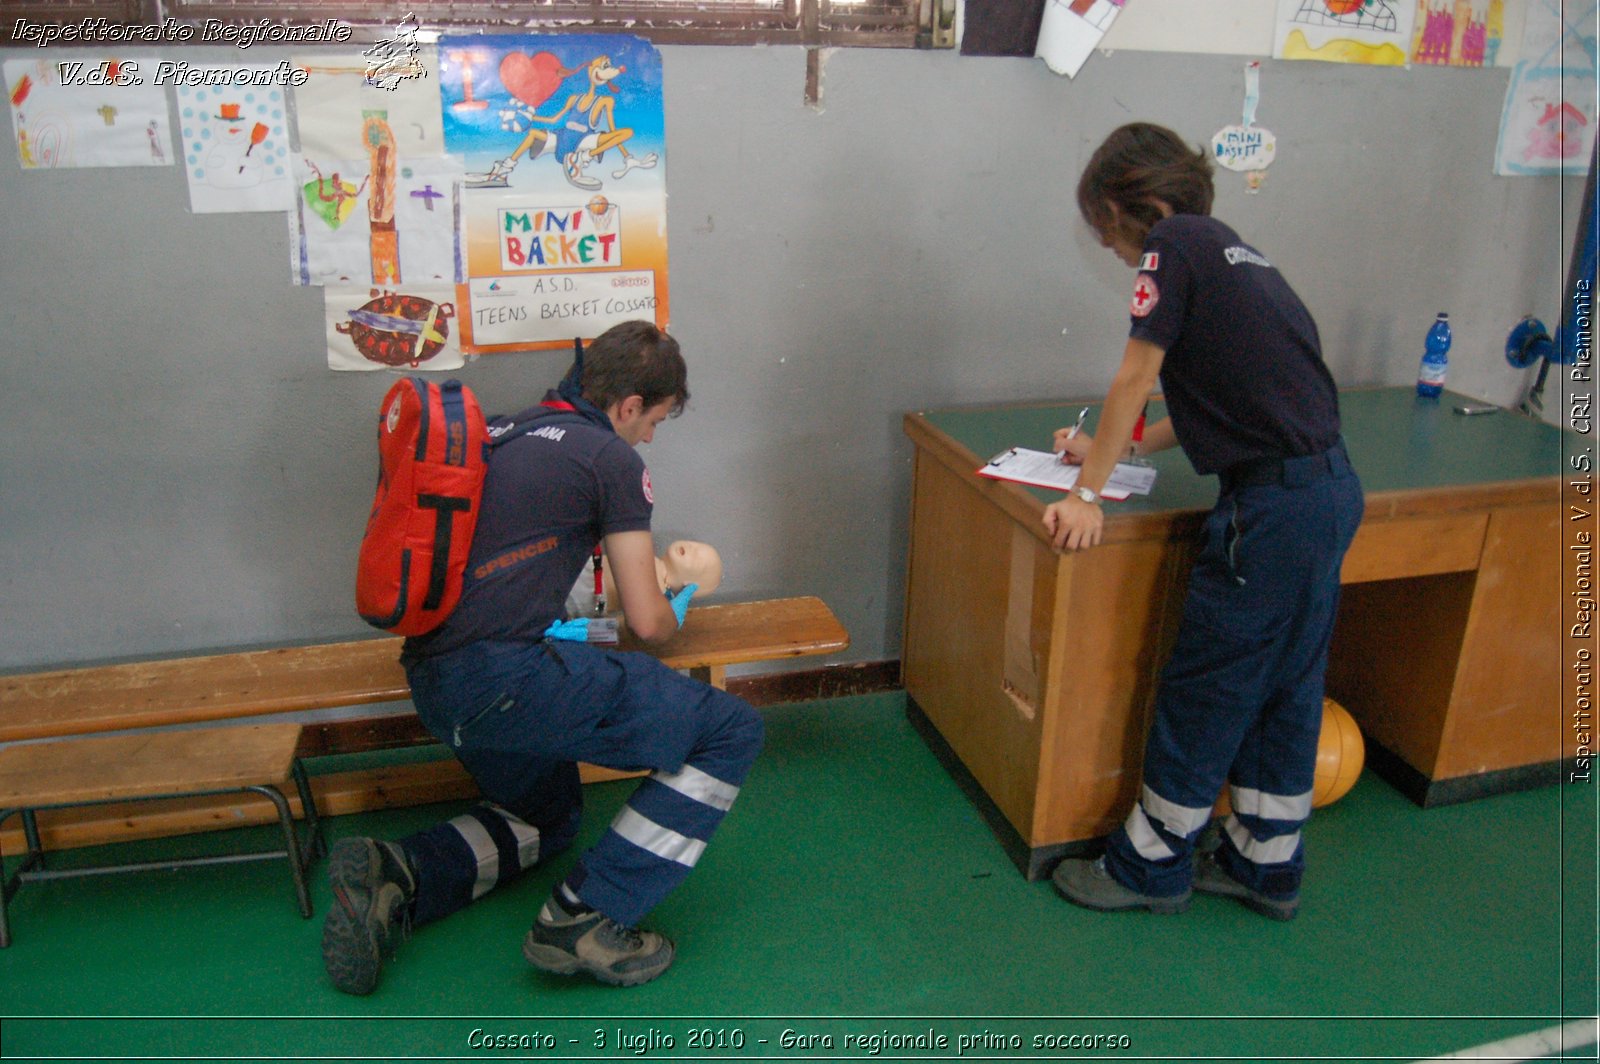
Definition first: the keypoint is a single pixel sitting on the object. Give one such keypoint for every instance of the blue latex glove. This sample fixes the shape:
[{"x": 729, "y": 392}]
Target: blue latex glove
[
  {"x": 574, "y": 631},
  {"x": 680, "y": 601}
]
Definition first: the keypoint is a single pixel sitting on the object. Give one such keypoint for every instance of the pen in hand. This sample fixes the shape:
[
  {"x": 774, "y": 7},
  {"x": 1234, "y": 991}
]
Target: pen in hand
[{"x": 1076, "y": 426}]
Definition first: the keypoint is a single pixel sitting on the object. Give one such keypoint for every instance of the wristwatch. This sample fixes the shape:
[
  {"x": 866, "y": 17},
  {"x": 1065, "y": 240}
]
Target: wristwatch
[{"x": 1088, "y": 495}]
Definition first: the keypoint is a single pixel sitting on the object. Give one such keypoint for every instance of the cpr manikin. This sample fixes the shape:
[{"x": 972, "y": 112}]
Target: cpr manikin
[{"x": 684, "y": 562}]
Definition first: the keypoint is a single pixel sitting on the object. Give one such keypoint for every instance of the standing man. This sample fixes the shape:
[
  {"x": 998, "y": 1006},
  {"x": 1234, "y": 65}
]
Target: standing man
[
  {"x": 1250, "y": 399},
  {"x": 520, "y": 709}
]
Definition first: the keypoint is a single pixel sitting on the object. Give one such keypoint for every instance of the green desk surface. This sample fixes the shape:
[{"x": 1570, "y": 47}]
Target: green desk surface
[{"x": 1397, "y": 442}]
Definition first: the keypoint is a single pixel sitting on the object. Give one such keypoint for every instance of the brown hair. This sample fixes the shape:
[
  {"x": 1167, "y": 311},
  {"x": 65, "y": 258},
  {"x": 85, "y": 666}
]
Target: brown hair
[
  {"x": 635, "y": 358},
  {"x": 1138, "y": 164}
]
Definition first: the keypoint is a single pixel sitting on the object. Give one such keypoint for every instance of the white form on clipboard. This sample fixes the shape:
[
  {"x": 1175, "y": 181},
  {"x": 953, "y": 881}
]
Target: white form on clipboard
[{"x": 1045, "y": 469}]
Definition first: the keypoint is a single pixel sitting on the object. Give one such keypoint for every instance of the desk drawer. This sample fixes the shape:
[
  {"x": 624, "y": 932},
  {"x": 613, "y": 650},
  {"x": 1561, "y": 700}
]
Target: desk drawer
[{"x": 1415, "y": 546}]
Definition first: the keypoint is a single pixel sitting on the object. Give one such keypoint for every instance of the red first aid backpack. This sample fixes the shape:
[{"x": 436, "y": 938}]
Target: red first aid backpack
[{"x": 433, "y": 451}]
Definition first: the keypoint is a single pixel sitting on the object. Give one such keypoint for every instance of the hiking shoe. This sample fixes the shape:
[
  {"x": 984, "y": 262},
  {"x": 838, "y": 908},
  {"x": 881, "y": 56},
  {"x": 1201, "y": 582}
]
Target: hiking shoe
[
  {"x": 372, "y": 891},
  {"x": 591, "y": 942},
  {"x": 1087, "y": 883},
  {"x": 1211, "y": 878}
]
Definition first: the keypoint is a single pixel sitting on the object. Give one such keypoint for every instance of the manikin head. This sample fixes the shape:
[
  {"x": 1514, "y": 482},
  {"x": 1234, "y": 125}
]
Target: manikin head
[{"x": 687, "y": 561}]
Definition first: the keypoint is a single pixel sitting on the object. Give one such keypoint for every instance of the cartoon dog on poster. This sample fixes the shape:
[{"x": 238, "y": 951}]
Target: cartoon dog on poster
[{"x": 589, "y": 128}]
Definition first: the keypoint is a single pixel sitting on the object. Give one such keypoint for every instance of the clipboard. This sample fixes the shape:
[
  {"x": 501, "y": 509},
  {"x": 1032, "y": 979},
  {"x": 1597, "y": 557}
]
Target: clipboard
[{"x": 1045, "y": 469}]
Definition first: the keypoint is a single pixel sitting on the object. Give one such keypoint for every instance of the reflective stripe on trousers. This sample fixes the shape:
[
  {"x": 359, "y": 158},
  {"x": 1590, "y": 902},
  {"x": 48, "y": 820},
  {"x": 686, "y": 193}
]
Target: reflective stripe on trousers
[
  {"x": 520, "y": 715},
  {"x": 1240, "y": 699}
]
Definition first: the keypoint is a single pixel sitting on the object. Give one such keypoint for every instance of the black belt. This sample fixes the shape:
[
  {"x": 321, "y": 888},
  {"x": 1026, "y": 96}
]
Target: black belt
[{"x": 1287, "y": 472}]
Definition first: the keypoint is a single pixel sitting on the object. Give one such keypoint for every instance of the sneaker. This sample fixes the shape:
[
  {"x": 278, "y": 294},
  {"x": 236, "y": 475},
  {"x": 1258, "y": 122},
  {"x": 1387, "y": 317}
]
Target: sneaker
[
  {"x": 565, "y": 944},
  {"x": 573, "y": 167},
  {"x": 1087, "y": 883},
  {"x": 497, "y": 176},
  {"x": 1211, "y": 878},
  {"x": 372, "y": 891},
  {"x": 631, "y": 162}
]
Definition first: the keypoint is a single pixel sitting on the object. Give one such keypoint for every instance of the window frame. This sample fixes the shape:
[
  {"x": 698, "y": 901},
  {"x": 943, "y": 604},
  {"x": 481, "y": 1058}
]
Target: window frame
[{"x": 809, "y": 23}]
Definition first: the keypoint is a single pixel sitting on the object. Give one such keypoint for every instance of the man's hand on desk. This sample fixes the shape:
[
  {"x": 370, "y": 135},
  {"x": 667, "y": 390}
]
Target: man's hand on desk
[{"x": 1073, "y": 524}]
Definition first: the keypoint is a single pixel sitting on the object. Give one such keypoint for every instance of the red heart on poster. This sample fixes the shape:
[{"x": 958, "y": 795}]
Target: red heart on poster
[{"x": 532, "y": 79}]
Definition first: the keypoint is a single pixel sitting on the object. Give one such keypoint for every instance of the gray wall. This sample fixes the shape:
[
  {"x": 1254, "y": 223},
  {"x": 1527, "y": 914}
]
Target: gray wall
[{"x": 179, "y": 470}]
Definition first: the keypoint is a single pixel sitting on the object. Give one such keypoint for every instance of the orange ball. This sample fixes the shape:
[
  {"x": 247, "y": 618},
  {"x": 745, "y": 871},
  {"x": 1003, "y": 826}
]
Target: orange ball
[{"x": 1340, "y": 755}]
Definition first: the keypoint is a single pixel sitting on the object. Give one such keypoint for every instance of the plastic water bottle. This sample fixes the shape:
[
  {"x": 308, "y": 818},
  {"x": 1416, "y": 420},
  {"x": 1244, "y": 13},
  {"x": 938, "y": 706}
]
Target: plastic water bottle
[{"x": 1435, "y": 360}]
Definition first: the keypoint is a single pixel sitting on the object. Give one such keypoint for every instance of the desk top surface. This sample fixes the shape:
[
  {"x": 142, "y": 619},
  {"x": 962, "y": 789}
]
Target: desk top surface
[{"x": 1397, "y": 443}]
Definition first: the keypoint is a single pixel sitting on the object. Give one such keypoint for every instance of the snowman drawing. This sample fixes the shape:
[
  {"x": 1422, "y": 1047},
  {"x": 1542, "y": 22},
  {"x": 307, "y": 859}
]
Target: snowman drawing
[{"x": 231, "y": 162}]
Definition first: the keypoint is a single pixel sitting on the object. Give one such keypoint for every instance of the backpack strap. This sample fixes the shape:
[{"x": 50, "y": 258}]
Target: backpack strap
[
  {"x": 509, "y": 427},
  {"x": 554, "y": 407}
]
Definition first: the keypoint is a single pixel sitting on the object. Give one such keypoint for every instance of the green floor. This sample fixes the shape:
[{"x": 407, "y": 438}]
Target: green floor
[{"x": 854, "y": 890}]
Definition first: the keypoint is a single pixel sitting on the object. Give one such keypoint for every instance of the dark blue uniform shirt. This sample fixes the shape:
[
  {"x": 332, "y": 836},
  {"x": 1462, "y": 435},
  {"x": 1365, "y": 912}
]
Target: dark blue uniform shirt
[
  {"x": 1243, "y": 375},
  {"x": 552, "y": 492}
]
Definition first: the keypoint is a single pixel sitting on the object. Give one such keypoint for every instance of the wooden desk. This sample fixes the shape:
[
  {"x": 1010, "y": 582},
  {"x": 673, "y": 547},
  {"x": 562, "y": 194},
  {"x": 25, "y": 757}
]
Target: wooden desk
[{"x": 1034, "y": 672}]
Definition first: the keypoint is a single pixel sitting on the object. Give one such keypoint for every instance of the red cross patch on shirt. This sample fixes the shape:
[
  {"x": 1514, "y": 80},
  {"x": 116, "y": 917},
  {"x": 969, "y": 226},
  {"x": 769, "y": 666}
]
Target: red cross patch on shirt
[{"x": 1145, "y": 295}]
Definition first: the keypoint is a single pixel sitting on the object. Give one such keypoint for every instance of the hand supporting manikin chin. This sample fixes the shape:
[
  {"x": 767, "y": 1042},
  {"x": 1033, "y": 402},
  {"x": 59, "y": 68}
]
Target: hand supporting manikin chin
[
  {"x": 687, "y": 561},
  {"x": 684, "y": 562}
]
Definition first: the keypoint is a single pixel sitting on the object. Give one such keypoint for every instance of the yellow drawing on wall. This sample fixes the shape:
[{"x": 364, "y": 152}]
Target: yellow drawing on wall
[
  {"x": 1342, "y": 51},
  {"x": 1369, "y": 32}
]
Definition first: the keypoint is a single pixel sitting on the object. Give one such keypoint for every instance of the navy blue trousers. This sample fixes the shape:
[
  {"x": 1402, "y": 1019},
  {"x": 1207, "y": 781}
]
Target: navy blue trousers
[
  {"x": 1240, "y": 700},
  {"x": 520, "y": 715}
]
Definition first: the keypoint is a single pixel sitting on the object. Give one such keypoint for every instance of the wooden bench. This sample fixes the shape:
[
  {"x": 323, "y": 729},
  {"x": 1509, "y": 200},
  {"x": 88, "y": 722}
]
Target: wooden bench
[
  {"x": 147, "y": 766},
  {"x": 249, "y": 684}
]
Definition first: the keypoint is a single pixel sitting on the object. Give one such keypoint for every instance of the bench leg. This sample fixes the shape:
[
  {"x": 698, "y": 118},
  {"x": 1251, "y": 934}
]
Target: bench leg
[
  {"x": 30, "y": 829},
  {"x": 34, "y": 856},
  {"x": 715, "y": 675},
  {"x": 314, "y": 846},
  {"x": 291, "y": 845},
  {"x": 6, "y": 887}
]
